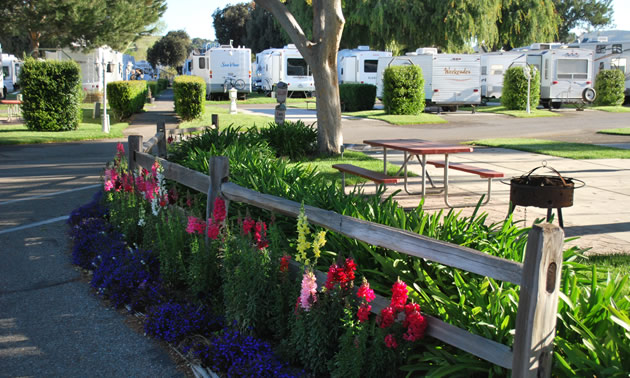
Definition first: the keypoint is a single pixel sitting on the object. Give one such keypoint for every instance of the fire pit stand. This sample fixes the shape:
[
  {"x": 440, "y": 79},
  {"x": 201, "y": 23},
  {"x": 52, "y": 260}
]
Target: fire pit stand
[{"x": 543, "y": 191}]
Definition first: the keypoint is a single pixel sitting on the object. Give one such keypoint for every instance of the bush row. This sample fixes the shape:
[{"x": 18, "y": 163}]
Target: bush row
[
  {"x": 357, "y": 97},
  {"x": 610, "y": 86},
  {"x": 157, "y": 86},
  {"x": 52, "y": 95},
  {"x": 126, "y": 97},
  {"x": 403, "y": 90},
  {"x": 189, "y": 96}
]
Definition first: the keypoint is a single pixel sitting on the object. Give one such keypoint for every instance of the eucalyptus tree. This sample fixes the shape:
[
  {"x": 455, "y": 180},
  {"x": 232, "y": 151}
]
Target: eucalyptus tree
[
  {"x": 320, "y": 52},
  {"x": 81, "y": 23},
  {"x": 229, "y": 23}
]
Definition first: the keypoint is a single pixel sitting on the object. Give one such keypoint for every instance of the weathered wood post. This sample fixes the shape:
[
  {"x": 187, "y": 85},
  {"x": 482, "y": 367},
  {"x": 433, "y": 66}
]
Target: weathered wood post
[
  {"x": 134, "y": 143},
  {"x": 161, "y": 144},
  {"x": 538, "y": 302},
  {"x": 218, "y": 170},
  {"x": 215, "y": 121}
]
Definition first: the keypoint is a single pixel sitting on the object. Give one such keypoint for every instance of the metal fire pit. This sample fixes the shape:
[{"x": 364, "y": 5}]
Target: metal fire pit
[{"x": 543, "y": 191}]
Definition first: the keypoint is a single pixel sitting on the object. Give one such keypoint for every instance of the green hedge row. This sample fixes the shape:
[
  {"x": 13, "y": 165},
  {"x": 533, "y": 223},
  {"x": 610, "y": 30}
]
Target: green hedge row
[
  {"x": 610, "y": 86},
  {"x": 356, "y": 97},
  {"x": 190, "y": 96},
  {"x": 403, "y": 90},
  {"x": 51, "y": 95},
  {"x": 126, "y": 97},
  {"x": 514, "y": 95},
  {"x": 157, "y": 86}
]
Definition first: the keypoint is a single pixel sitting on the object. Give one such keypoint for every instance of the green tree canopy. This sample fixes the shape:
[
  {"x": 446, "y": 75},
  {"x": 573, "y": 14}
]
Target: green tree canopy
[
  {"x": 171, "y": 50},
  {"x": 585, "y": 14},
  {"x": 229, "y": 23},
  {"x": 263, "y": 31},
  {"x": 84, "y": 23}
]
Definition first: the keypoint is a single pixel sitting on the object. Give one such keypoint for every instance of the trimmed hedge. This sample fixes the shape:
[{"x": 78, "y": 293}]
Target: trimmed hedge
[
  {"x": 514, "y": 95},
  {"x": 356, "y": 97},
  {"x": 190, "y": 96},
  {"x": 403, "y": 90},
  {"x": 51, "y": 95},
  {"x": 126, "y": 97},
  {"x": 157, "y": 86},
  {"x": 610, "y": 86}
]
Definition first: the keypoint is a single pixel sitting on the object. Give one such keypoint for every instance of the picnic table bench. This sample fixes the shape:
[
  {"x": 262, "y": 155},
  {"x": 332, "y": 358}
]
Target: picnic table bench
[
  {"x": 481, "y": 172},
  {"x": 13, "y": 111},
  {"x": 376, "y": 177}
]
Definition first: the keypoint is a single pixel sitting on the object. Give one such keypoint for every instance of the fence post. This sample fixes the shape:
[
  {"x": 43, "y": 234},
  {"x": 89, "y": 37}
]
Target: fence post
[
  {"x": 218, "y": 170},
  {"x": 538, "y": 302},
  {"x": 134, "y": 143},
  {"x": 215, "y": 121},
  {"x": 161, "y": 144}
]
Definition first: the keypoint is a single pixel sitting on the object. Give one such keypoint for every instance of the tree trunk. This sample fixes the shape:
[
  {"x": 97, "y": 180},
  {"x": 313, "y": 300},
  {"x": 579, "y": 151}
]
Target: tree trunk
[{"x": 329, "y": 136}]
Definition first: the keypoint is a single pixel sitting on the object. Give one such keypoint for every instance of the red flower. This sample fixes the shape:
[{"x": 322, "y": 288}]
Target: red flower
[
  {"x": 330, "y": 278},
  {"x": 365, "y": 292},
  {"x": 219, "y": 212},
  {"x": 390, "y": 341},
  {"x": 260, "y": 235},
  {"x": 416, "y": 325},
  {"x": 364, "y": 312},
  {"x": 342, "y": 275},
  {"x": 350, "y": 268},
  {"x": 387, "y": 317},
  {"x": 399, "y": 295},
  {"x": 248, "y": 225},
  {"x": 284, "y": 263},
  {"x": 213, "y": 231}
]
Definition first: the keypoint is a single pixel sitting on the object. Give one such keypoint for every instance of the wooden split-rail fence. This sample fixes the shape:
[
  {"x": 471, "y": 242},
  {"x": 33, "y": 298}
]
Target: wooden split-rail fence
[{"x": 538, "y": 276}]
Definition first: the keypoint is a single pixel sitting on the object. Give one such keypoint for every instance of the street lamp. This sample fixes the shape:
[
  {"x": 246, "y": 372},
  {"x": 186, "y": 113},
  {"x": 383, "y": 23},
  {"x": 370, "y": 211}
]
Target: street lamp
[
  {"x": 105, "y": 127},
  {"x": 529, "y": 72}
]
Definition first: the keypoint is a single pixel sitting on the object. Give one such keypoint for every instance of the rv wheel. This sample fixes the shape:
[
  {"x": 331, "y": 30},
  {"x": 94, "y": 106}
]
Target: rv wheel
[
  {"x": 588, "y": 95},
  {"x": 556, "y": 105}
]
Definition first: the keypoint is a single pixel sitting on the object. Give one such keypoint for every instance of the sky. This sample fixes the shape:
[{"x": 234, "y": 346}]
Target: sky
[{"x": 195, "y": 16}]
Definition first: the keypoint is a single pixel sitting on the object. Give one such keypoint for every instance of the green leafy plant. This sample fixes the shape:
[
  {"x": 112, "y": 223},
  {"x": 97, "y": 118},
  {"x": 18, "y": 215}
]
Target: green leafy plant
[
  {"x": 126, "y": 97},
  {"x": 190, "y": 96},
  {"x": 52, "y": 95},
  {"x": 514, "y": 95},
  {"x": 357, "y": 97},
  {"x": 403, "y": 90},
  {"x": 610, "y": 86},
  {"x": 295, "y": 140}
]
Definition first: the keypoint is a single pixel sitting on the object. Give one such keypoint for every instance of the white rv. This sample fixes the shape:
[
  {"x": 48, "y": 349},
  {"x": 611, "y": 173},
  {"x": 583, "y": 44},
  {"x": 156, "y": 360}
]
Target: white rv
[
  {"x": 609, "y": 55},
  {"x": 284, "y": 64},
  {"x": 144, "y": 70},
  {"x": 359, "y": 65},
  {"x": 449, "y": 79},
  {"x": 93, "y": 63},
  {"x": 566, "y": 75},
  {"x": 493, "y": 67},
  {"x": 3, "y": 93},
  {"x": 222, "y": 68},
  {"x": 10, "y": 71}
]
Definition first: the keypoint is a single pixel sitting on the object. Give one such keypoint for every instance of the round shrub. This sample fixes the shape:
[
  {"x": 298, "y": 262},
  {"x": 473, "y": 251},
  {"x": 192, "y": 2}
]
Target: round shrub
[
  {"x": 514, "y": 95},
  {"x": 403, "y": 90},
  {"x": 357, "y": 97},
  {"x": 610, "y": 86},
  {"x": 126, "y": 97},
  {"x": 51, "y": 95},
  {"x": 296, "y": 140},
  {"x": 190, "y": 96}
]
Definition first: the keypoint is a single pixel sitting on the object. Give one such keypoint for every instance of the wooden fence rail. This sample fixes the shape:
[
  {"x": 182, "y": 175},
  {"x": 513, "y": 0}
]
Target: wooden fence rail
[{"x": 538, "y": 276}]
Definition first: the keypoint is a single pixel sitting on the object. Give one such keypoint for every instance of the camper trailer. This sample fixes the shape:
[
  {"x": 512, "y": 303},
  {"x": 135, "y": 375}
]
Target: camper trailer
[
  {"x": 566, "y": 75},
  {"x": 144, "y": 70},
  {"x": 222, "y": 68},
  {"x": 128, "y": 62},
  {"x": 450, "y": 80},
  {"x": 608, "y": 55},
  {"x": 493, "y": 67},
  {"x": 359, "y": 65},
  {"x": 10, "y": 72},
  {"x": 287, "y": 65},
  {"x": 3, "y": 93},
  {"x": 92, "y": 64}
]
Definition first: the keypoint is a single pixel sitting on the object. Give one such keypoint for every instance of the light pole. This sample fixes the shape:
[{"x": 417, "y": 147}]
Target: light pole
[
  {"x": 105, "y": 128},
  {"x": 529, "y": 72}
]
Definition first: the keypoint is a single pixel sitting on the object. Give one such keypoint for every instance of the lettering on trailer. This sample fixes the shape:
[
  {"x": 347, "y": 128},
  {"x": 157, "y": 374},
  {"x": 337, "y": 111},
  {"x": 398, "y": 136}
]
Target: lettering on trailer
[
  {"x": 228, "y": 65},
  {"x": 456, "y": 71}
]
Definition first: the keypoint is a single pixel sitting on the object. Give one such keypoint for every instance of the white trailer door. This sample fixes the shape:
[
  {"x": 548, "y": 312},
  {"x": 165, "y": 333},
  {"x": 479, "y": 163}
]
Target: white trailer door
[{"x": 349, "y": 69}]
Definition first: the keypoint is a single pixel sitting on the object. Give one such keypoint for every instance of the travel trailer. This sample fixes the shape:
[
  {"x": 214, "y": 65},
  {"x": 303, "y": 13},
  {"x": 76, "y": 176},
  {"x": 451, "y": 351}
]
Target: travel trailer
[
  {"x": 450, "y": 80},
  {"x": 284, "y": 64},
  {"x": 144, "y": 70},
  {"x": 359, "y": 65},
  {"x": 566, "y": 75},
  {"x": 128, "y": 62},
  {"x": 10, "y": 71},
  {"x": 608, "y": 55},
  {"x": 92, "y": 64},
  {"x": 3, "y": 94},
  {"x": 493, "y": 67},
  {"x": 222, "y": 68}
]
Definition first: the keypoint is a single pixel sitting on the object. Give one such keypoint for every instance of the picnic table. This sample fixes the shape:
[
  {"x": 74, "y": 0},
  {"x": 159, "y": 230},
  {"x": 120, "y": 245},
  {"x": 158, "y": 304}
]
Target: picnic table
[{"x": 13, "y": 110}]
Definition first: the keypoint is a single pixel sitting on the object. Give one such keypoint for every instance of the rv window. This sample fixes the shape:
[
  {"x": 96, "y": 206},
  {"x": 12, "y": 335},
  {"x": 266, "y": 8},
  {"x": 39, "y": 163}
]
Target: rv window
[
  {"x": 297, "y": 67},
  {"x": 572, "y": 68},
  {"x": 484, "y": 70},
  {"x": 496, "y": 69},
  {"x": 369, "y": 66},
  {"x": 110, "y": 68},
  {"x": 5, "y": 71},
  {"x": 616, "y": 48},
  {"x": 600, "y": 49},
  {"x": 202, "y": 63},
  {"x": 190, "y": 65},
  {"x": 618, "y": 63},
  {"x": 546, "y": 69}
]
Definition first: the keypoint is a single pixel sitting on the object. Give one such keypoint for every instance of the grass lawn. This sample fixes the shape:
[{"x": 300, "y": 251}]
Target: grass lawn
[
  {"x": 397, "y": 119},
  {"x": 535, "y": 113},
  {"x": 622, "y": 131},
  {"x": 259, "y": 98},
  {"x": 89, "y": 129},
  {"x": 555, "y": 148},
  {"x": 226, "y": 119},
  {"x": 612, "y": 109}
]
